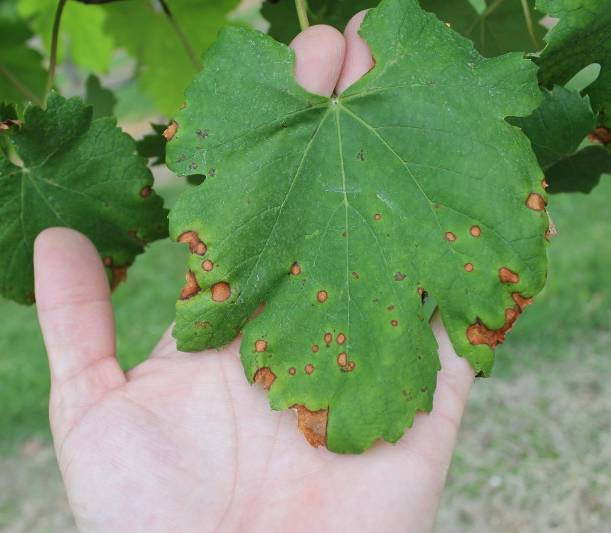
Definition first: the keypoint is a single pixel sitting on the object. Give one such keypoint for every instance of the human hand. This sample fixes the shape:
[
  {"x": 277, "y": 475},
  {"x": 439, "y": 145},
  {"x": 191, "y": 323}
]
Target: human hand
[{"x": 183, "y": 443}]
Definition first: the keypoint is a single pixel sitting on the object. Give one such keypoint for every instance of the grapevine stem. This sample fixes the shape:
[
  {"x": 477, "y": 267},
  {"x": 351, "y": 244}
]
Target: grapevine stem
[
  {"x": 529, "y": 24},
  {"x": 181, "y": 36},
  {"x": 54, "y": 40},
  {"x": 302, "y": 14}
]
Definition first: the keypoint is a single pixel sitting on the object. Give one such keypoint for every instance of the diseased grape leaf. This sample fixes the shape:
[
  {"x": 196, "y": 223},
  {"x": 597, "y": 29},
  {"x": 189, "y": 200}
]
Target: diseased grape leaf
[
  {"x": 101, "y": 99},
  {"x": 81, "y": 32},
  {"x": 284, "y": 24},
  {"x": 580, "y": 172},
  {"x": 580, "y": 38},
  {"x": 500, "y": 27},
  {"x": 22, "y": 76},
  {"x": 164, "y": 67},
  {"x": 76, "y": 173},
  {"x": 339, "y": 213},
  {"x": 557, "y": 129}
]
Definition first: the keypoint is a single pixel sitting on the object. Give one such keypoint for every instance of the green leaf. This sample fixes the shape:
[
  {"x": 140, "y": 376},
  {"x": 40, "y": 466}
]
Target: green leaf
[
  {"x": 557, "y": 127},
  {"x": 284, "y": 24},
  {"x": 152, "y": 145},
  {"x": 164, "y": 67},
  {"x": 580, "y": 38},
  {"x": 75, "y": 173},
  {"x": 501, "y": 27},
  {"x": 82, "y": 31},
  {"x": 22, "y": 77},
  {"x": 580, "y": 172},
  {"x": 101, "y": 99},
  {"x": 338, "y": 212}
]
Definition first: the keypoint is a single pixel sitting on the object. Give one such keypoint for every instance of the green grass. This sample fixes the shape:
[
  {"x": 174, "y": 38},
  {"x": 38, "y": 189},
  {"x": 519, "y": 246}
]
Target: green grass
[{"x": 575, "y": 308}]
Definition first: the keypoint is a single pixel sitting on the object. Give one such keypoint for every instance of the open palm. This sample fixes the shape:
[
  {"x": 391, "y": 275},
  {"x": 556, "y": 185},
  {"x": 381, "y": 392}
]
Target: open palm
[{"x": 182, "y": 443}]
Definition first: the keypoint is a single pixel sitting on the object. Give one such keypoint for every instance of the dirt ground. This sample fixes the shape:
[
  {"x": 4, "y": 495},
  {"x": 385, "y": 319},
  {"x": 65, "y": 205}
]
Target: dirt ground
[{"x": 534, "y": 455}]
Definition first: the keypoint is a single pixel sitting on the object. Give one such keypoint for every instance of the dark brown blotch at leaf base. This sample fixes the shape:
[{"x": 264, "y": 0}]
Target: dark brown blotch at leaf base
[
  {"x": 313, "y": 425},
  {"x": 191, "y": 287},
  {"x": 196, "y": 245},
  {"x": 265, "y": 377}
]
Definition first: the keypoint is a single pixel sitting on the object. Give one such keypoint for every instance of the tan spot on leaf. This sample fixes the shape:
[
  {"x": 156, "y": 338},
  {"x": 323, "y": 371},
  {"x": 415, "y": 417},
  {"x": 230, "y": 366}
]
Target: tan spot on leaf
[
  {"x": 196, "y": 245},
  {"x": 475, "y": 231},
  {"x": 315, "y": 348},
  {"x": 292, "y": 371},
  {"x": 351, "y": 366},
  {"x": 508, "y": 276},
  {"x": 190, "y": 288},
  {"x": 544, "y": 184},
  {"x": 207, "y": 265},
  {"x": 328, "y": 338},
  {"x": 260, "y": 345},
  {"x": 313, "y": 425},
  {"x": 521, "y": 300},
  {"x": 342, "y": 359},
  {"x": 264, "y": 376},
  {"x": 220, "y": 291},
  {"x": 535, "y": 201},
  {"x": 295, "y": 269},
  {"x": 341, "y": 338},
  {"x": 170, "y": 131},
  {"x": 322, "y": 296},
  {"x": 469, "y": 267},
  {"x": 377, "y": 216},
  {"x": 309, "y": 368},
  {"x": 394, "y": 323},
  {"x": 450, "y": 236}
]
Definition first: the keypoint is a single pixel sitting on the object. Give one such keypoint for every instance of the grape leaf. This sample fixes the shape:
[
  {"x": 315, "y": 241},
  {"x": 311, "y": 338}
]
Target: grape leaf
[
  {"x": 164, "y": 68},
  {"x": 101, "y": 99},
  {"x": 580, "y": 38},
  {"x": 284, "y": 24},
  {"x": 22, "y": 77},
  {"x": 152, "y": 145},
  {"x": 82, "y": 31},
  {"x": 580, "y": 172},
  {"x": 501, "y": 26},
  {"x": 557, "y": 129},
  {"x": 338, "y": 213},
  {"x": 76, "y": 173}
]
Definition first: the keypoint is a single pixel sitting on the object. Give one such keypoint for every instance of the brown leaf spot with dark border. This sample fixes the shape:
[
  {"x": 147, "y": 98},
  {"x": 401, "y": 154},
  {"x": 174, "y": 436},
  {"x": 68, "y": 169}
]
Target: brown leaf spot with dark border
[
  {"x": 377, "y": 217},
  {"x": 394, "y": 323},
  {"x": 295, "y": 269},
  {"x": 260, "y": 345},
  {"x": 341, "y": 338},
  {"x": 508, "y": 276},
  {"x": 191, "y": 287},
  {"x": 469, "y": 267},
  {"x": 450, "y": 236},
  {"x": 328, "y": 338},
  {"x": 315, "y": 348},
  {"x": 313, "y": 425},
  {"x": 309, "y": 368},
  {"x": 264, "y": 376},
  {"x": 475, "y": 231},
  {"x": 170, "y": 131},
  {"x": 350, "y": 366},
  {"x": 342, "y": 359},
  {"x": 322, "y": 296},
  {"x": 535, "y": 202},
  {"x": 196, "y": 245},
  {"x": 221, "y": 291},
  {"x": 399, "y": 276},
  {"x": 292, "y": 371},
  {"x": 207, "y": 265}
]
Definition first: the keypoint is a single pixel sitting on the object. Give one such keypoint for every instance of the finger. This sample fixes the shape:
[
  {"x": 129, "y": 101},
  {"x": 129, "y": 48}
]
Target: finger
[
  {"x": 319, "y": 52},
  {"x": 75, "y": 314},
  {"x": 358, "y": 60}
]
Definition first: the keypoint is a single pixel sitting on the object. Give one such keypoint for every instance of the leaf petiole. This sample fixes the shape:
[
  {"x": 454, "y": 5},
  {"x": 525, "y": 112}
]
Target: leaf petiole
[
  {"x": 54, "y": 40},
  {"x": 302, "y": 14}
]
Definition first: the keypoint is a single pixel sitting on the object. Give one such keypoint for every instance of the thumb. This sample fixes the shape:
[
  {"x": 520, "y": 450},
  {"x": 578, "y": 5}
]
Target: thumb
[{"x": 75, "y": 315}]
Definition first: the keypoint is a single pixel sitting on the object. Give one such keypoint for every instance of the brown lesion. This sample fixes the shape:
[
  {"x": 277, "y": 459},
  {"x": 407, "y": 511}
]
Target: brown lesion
[
  {"x": 535, "y": 202},
  {"x": 508, "y": 276},
  {"x": 191, "y": 287},
  {"x": 196, "y": 245},
  {"x": 313, "y": 424},
  {"x": 220, "y": 291},
  {"x": 170, "y": 131},
  {"x": 265, "y": 377},
  {"x": 118, "y": 276},
  {"x": 479, "y": 333}
]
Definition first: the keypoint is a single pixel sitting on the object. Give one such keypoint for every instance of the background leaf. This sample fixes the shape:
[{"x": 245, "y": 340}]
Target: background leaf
[
  {"x": 101, "y": 99},
  {"x": 580, "y": 38},
  {"x": 76, "y": 173},
  {"x": 580, "y": 172},
  {"x": 338, "y": 213}
]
